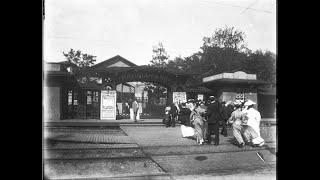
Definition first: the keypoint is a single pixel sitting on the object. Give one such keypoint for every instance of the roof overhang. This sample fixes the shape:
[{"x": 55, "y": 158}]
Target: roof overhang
[
  {"x": 235, "y": 82},
  {"x": 60, "y": 78},
  {"x": 238, "y": 78},
  {"x": 141, "y": 68}
]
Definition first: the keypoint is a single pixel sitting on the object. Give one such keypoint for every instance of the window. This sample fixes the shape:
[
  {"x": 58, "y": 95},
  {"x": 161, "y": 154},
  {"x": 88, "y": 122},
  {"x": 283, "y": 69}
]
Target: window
[
  {"x": 96, "y": 96},
  {"x": 69, "y": 97},
  {"x": 89, "y": 97},
  {"x": 75, "y": 98}
]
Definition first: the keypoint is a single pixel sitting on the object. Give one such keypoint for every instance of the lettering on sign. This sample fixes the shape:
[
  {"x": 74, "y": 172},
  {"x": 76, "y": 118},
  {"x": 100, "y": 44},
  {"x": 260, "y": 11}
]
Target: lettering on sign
[
  {"x": 179, "y": 97},
  {"x": 108, "y": 105}
]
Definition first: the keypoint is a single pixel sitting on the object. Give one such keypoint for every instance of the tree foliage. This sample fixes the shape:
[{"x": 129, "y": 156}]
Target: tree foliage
[
  {"x": 263, "y": 64},
  {"x": 226, "y": 38},
  {"x": 226, "y": 51},
  {"x": 82, "y": 62},
  {"x": 160, "y": 56}
]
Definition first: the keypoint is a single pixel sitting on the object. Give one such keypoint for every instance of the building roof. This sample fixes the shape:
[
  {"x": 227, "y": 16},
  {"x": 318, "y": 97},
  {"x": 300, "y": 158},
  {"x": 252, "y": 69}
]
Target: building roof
[
  {"x": 220, "y": 82},
  {"x": 143, "y": 68},
  {"x": 111, "y": 61},
  {"x": 235, "y": 78},
  {"x": 60, "y": 77},
  {"x": 90, "y": 85}
]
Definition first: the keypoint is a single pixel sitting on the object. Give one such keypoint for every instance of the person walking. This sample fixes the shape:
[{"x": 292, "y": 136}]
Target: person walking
[
  {"x": 242, "y": 132},
  {"x": 174, "y": 113},
  {"x": 184, "y": 117},
  {"x": 135, "y": 107},
  {"x": 253, "y": 119},
  {"x": 167, "y": 115},
  {"x": 236, "y": 121},
  {"x": 214, "y": 116},
  {"x": 196, "y": 118}
]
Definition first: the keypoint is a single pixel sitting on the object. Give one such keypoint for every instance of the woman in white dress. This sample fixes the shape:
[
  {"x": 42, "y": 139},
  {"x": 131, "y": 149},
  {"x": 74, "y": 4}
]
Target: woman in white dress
[{"x": 252, "y": 118}]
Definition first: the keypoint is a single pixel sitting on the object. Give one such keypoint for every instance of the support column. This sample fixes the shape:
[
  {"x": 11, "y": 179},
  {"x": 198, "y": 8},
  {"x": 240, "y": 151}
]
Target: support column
[{"x": 169, "y": 95}]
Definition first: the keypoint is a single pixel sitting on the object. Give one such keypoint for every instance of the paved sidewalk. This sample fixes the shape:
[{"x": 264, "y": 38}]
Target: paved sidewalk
[
  {"x": 171, "y": 136},
  {"x": 97, "y": 122}
]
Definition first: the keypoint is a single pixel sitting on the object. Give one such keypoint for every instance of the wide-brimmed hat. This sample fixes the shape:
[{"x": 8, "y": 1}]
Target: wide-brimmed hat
[
  {"x": 237, "y": 102},
  {"x": 190, "y": 101},
  {"x": 212, "y": 98},
  {"x": 249, "y": 102}
]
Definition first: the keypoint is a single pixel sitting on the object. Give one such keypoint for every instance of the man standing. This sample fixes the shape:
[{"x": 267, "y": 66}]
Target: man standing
[
  {"x": 174, "y": 113},
  {"x": 214, "y": 116},
  {"x": 227, "y": 109},
  {"x": 135, "y": 107}
]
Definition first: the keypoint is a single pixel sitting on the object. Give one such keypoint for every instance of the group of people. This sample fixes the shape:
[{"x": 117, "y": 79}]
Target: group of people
[{"x": 201, "y": 120}]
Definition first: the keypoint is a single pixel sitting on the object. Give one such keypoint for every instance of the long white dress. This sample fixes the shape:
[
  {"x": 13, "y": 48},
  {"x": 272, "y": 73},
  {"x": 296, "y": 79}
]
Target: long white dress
[
  {"x": 254, "y": 119},
  {"x": 187, "y": 131}
]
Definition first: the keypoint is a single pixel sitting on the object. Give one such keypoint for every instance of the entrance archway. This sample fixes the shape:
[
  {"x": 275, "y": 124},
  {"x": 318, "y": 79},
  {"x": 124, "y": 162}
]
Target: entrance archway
[{"x": 169, "y": 79}]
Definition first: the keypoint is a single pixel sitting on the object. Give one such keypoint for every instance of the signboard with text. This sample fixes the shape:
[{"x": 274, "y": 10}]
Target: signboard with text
[
  {"x": 240, "y": 97},
  {"x": 179, "y": 97},
  {"x": 108, "y": 105}
]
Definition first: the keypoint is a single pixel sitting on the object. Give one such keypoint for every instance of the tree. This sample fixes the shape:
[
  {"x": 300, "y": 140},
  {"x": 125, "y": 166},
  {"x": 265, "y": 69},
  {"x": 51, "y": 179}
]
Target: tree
[
  {"x": 159, "y": 56},
  {"x": 263, "y": 64},
  {"x": 227, "y": 38},
  {"x": 224, "y": 51},
  {"x": 82, "y": 62}
]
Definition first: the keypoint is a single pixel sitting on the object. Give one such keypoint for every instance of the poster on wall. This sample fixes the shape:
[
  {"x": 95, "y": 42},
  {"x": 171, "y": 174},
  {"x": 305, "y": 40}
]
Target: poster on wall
[
  {"x": 179, "y": 97},
  {"x": 240, "y": 97},
  {"x": 108, "y": 105},
  {"x": 200, "y": 97}
]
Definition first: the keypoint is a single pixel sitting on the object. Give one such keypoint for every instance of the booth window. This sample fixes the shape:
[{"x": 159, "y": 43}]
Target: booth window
[
  {"x": 75, "y": 98},
  {"x": 89, "y": 97},
  {"x": 96, "y": 96},
  {"x": 69, "y": 97}
]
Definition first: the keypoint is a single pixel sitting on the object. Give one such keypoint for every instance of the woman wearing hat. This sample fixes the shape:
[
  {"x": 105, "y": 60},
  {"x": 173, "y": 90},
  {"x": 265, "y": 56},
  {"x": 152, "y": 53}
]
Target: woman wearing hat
[
  {"x": 236, "y": 121},
  {"x": 186, "y": 129},
  {"x": 253, "y": 115},
  {"x": 197, "y": 119},
  {"x": 253, "y": 119}
]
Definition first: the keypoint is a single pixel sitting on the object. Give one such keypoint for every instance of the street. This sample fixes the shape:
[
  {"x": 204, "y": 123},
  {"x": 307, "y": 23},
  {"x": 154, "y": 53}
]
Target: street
[{"x": 152, "y": 152}]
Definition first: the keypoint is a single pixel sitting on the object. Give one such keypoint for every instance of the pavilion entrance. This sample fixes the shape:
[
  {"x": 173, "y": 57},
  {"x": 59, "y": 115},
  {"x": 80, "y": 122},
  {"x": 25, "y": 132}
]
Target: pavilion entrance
[
  {"x": 151, "y": 98},
  {"x": 152, "y": 87}
]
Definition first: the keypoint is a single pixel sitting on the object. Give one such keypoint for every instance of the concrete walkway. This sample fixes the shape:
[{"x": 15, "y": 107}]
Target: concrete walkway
[{"x": 115, "y": 123}]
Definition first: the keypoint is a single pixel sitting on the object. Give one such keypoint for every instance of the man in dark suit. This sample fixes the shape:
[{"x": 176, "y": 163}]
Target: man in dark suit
[
  {"x": 214, "y": 117},
  {"x": 227, "y": 109}
]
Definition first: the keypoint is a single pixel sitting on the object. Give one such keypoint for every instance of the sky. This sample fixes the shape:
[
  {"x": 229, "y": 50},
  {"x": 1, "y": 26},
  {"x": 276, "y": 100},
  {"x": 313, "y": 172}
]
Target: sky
[{"x": 131, "y": 28}]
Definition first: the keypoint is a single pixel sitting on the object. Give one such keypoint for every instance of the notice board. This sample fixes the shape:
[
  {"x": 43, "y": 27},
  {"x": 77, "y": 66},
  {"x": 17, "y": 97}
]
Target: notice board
[
  {"x": 108, "y": 108},
  {"x": 179, "y": 97}
]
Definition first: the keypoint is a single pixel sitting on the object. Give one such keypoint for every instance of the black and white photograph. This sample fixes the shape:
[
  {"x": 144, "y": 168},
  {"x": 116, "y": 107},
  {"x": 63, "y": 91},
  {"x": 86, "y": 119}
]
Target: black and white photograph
[{"x": 159, "y": 89}]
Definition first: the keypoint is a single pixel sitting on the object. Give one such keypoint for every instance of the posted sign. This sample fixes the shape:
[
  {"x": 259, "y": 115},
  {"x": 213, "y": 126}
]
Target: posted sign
[
  {"x": 200, "y": 97},
  {"x": 240, "y": 97},
  {"x": 108, "y": 105},
  {"x": 179, "y": 97}
]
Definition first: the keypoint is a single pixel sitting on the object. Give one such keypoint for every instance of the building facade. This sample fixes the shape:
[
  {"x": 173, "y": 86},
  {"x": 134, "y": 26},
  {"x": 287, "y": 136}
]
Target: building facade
[{"x": 66, "y": 98}]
